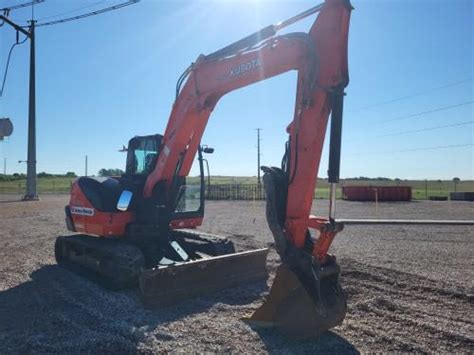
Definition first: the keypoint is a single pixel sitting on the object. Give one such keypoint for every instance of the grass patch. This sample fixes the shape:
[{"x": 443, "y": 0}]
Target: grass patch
[{"x": 421, "y": 189}]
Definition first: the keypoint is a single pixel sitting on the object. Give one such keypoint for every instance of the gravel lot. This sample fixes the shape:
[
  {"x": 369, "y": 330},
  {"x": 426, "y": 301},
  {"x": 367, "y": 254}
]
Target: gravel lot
[{"x": 410, "y": 288}]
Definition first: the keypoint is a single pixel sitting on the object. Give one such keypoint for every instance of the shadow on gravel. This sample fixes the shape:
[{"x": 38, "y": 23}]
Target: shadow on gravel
[
  {"x": 10, "y": 201},
  {"x": 57, "y": 311},
  {"x": 327, "y": 343}
]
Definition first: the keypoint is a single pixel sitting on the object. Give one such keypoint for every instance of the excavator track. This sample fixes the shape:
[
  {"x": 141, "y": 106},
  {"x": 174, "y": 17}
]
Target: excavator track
[
  {"x": 116, "y": 264},
  {"x": 113, "y": 264}
]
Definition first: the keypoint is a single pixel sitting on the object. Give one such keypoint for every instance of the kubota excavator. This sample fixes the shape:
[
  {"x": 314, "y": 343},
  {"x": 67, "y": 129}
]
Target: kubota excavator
[{"x": 140, "y": 227}]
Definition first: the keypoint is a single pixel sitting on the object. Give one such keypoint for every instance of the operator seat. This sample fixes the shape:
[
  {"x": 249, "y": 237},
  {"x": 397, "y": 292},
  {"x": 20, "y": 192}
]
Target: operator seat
[
  {"x": 150, "y": 161},
  {"x": 102, "y": 192}
]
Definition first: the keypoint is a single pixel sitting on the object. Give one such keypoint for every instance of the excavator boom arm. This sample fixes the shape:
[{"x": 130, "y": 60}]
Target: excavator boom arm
[
  {"x": 320, "y": 57},
  {"x": 208, "y": 81}
]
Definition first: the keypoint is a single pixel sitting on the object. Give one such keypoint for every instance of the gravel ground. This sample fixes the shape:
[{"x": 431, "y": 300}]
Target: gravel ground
[{"x": 410, "y": 288}]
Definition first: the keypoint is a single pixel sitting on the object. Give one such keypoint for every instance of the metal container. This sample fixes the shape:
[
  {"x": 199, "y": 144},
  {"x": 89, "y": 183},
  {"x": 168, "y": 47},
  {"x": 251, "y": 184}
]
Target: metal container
[
  {"x": 379, "y": 193},
  {"x": 462, "y": 196}
]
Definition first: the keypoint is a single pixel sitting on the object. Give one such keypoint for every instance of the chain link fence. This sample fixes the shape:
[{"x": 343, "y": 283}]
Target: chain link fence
[{"x": 235, "y": 192}]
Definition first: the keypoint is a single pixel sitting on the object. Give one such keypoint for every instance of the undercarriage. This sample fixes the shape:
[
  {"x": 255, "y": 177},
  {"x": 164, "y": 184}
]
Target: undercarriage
[{"x": 191, "y": 264}]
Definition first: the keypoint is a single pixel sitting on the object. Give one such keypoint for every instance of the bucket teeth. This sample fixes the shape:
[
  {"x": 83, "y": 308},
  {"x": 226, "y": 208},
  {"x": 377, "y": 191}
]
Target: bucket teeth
[{"x": 291, "y": 309}]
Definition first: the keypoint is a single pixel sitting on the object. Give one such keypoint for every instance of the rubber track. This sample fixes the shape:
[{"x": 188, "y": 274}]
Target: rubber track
[{"x": 120, "y": 263}]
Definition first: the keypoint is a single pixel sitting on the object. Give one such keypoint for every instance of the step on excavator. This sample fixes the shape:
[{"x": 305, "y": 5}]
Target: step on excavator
[{"x": 140, "y": 228}]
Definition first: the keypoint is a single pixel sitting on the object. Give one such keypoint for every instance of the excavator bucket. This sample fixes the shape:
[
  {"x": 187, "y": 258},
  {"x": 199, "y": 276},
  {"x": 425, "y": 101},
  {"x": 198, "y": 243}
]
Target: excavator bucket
[
  {"x": 290, "y": 308},
  {"x": 166, "y": 285}
]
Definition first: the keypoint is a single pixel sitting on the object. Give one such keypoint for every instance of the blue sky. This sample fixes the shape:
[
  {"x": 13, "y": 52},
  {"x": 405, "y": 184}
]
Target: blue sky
[{"x": 104, "y": 79}]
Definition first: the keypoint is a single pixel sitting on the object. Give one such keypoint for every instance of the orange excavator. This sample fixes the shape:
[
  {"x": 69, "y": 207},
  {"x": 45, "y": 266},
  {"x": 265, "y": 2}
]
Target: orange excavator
[{"x": 140, "y": 228}]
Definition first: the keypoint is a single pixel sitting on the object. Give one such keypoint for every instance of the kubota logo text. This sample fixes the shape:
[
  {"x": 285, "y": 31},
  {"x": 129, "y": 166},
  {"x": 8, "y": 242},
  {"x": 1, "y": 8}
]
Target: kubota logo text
[{"x": 244, "y": 67}]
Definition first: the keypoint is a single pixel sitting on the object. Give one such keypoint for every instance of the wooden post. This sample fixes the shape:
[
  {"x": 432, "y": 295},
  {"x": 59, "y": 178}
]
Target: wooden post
[{"x": 376, "y": 201}]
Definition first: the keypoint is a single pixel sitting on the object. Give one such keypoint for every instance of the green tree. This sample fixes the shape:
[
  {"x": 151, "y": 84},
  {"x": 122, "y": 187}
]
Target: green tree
[
  {"x": 44, "y": 174},
  {"x": 456, "y": 180},
  {"x": 111, "y": 172}
]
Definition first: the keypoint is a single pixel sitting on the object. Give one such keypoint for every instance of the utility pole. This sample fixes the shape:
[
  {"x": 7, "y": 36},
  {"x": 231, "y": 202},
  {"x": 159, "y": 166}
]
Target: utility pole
[
  {"x": 31, "y": 186},
  {"x": 86, "y": 167},
  {"x": 4, "y": 166},
  {"x": 258, "y": 155},
  {"x": 31, "y": 192}
]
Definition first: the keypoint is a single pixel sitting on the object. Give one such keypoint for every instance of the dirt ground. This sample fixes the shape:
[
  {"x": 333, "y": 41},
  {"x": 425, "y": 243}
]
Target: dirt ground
[{"x": 410, "y": 288}]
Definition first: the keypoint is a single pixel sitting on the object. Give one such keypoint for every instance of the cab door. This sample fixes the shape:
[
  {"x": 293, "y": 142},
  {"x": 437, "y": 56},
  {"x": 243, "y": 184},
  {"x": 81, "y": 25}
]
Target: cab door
[{"x": 189, "y": 207}]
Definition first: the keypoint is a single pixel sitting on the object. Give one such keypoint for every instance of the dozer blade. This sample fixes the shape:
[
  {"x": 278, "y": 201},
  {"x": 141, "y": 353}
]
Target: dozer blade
[
  {"x": 290, "y": 308},
  {"x": 167, "y": 285}
]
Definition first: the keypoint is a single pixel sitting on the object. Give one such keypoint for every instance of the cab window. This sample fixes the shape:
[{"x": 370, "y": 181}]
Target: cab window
[
  {"x": 144, "y": 161},
  {"x": 142, "y": 155}
]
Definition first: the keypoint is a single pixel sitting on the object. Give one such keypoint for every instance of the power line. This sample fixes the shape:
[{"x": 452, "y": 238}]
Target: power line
[
  {"x": 418, "y": 149},
  {"x": 415, "y": 130},
  {"x": 412, "y": 95},
  {"x": 19, "y": 6},
  {"x": 93, "y": 13},
  {"x": 8, "y": 64},
  {"x": 71, "y": 11},
  {"x": 424, "y": 129},
  {"x": 429, "y": 111},
  {"x": 432, "y": 148}
]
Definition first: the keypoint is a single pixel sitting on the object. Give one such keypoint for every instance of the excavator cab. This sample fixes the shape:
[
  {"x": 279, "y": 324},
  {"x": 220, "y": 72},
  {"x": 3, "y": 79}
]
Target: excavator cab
[
  {"x": 120, "y": 198},
  {"x": 142, "y": 154}
]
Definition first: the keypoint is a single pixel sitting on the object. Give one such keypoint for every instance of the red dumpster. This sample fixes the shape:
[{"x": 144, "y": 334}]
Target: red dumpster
[{"x": 383, "y": 193}]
